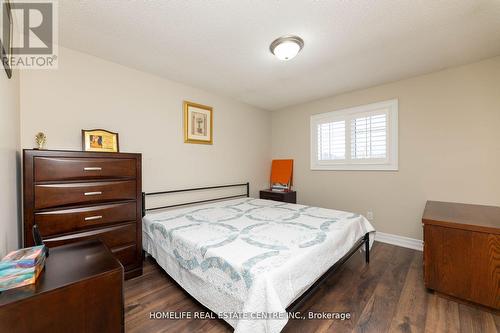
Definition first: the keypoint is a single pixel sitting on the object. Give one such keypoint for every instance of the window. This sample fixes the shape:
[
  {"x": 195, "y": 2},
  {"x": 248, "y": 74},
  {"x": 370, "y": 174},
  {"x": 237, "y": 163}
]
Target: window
[{"x": 359, "y": 138}]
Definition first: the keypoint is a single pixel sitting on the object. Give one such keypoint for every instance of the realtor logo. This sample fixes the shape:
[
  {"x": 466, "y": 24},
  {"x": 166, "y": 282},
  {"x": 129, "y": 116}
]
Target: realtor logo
[
  {"x": 29, "y": 30},
  {"x": 36, "y": 27}
]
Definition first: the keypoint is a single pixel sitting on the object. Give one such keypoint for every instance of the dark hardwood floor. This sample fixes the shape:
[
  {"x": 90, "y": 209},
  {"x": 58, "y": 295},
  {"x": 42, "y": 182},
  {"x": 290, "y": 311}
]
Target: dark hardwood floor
[{"x": 388, "y": 295}]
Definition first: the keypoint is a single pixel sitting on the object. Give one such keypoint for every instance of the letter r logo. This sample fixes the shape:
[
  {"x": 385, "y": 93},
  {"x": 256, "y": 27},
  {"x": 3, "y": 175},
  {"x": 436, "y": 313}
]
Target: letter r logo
[{"x": 36, "y": 27}]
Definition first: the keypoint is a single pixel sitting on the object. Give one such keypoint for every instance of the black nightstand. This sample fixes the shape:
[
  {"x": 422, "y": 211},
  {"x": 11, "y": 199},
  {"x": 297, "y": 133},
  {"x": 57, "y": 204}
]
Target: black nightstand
[{"x": 290, "y": 196}]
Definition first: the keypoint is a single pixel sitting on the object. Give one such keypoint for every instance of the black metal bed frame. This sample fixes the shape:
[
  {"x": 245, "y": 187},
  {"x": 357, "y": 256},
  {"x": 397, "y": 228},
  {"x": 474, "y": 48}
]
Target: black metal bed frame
[
  {"x": 144, "y": 210},
  {"x": 365, "y": 240}
]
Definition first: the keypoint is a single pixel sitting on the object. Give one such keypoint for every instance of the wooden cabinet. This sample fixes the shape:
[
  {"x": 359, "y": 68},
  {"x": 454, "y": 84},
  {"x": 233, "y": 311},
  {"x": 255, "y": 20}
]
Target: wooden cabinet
[
  {"x": 73, "y": 196},
  {"x": 289, "y": 196},
  {"x": 80, "y": 290},
  {"x": 462, "y": 251}
]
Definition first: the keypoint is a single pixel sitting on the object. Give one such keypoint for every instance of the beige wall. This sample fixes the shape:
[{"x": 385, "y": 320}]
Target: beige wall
[
  {"x": 146, "y": 111},
  {"x": 9, "y": 162},
  {"x": 449, "y": 148},
  {"x": 449, "y": 142}
]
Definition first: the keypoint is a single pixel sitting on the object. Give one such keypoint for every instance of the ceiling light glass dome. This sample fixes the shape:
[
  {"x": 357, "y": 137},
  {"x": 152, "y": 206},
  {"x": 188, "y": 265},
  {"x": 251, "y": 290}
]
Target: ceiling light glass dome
[{"x": 287, "y": 47}]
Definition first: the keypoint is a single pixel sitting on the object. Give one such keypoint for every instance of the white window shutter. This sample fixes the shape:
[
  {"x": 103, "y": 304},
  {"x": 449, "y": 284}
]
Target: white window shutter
[
  {"x": 369, "y": 137},
  {"x": 359, "y": 138},
  {"x": 331, "y": 141}
]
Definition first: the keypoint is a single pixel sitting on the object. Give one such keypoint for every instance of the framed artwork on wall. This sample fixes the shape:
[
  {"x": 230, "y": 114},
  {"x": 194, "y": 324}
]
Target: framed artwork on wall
[
  {"x": 198, "y": 123},
  {"x": 100, "y": 140},
  {"x": 6, "y": 36}
]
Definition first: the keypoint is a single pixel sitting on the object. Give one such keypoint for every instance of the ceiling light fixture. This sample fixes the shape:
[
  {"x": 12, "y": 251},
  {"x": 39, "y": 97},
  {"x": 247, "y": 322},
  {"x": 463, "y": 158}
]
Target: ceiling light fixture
[{"x": 286, "y": 47}]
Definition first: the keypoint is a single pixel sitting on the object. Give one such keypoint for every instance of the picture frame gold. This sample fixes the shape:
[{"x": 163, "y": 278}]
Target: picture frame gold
[
  {"x": 100, "y": 140},
  {"x": 198, "y": 123}
]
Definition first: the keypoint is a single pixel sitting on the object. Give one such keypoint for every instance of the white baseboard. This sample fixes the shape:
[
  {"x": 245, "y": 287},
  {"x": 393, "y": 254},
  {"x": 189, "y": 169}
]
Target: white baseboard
[{"x": 410, "y": 243}]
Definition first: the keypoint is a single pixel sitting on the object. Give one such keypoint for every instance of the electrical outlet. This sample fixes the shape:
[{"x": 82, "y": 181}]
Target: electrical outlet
[{"x": 369, "y": 215}]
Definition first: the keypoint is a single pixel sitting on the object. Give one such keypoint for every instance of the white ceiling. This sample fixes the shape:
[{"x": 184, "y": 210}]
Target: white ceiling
[{"x": 223, "y": 46}]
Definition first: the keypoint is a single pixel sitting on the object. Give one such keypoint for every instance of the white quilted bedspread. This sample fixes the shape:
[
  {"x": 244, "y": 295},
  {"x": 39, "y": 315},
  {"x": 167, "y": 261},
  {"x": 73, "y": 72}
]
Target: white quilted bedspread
[{"x": 249, "y": 258}]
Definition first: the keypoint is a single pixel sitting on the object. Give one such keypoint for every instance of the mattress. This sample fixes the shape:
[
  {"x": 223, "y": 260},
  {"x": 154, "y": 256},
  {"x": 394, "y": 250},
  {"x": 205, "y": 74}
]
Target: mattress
[{"x": 248, "y": 259}]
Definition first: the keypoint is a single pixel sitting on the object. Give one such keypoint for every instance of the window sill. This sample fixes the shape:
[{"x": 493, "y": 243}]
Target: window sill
[{"x": 355, "y": 167}]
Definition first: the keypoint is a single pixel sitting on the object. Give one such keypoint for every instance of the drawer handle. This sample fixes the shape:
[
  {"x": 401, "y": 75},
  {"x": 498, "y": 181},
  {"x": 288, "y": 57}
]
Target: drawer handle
[
  {"x": 92, "y": 169},
  {"x": 92, "y": 218},
  {"x": 92, "y": 193}
]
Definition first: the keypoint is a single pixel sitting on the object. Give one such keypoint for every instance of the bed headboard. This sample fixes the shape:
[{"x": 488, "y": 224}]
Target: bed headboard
[{"x": 144, "y": 195}]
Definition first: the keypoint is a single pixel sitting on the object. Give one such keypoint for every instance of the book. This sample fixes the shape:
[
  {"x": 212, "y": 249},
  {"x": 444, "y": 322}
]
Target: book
[
  {"x": 279, "y": 187},
  {"x": 16, "y": 281},
  {"x": 10, "y": 268},
  {"x": 21, "y": 267},
  {"x": 26, "y": 257}
]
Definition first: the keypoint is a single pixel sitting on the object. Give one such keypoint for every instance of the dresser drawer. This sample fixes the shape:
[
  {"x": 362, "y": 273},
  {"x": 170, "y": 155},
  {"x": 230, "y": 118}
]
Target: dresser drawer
[
  {"x": 289, "y": 197},
  {"x": 271, "y": 196},
  {"x": 54, "y": 195},
  {"x": 67, "y": 220},
  {"x": 127, "y": 255},
  {"x": 114, "y": 236},
  {"x": 63, "y": 168}
]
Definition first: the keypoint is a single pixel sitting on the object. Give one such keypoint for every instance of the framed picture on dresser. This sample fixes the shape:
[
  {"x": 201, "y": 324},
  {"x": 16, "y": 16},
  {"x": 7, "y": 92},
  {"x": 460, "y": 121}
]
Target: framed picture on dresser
[{"x": 100, "y": 140}]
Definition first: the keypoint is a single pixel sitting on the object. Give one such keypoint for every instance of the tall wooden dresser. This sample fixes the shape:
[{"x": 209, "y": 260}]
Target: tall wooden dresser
[{"x": 74, "y": 195}]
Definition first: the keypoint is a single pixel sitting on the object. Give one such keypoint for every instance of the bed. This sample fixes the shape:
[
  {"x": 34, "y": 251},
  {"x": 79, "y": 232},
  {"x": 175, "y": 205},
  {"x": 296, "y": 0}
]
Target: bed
[{"x": 252, "y": 261}]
